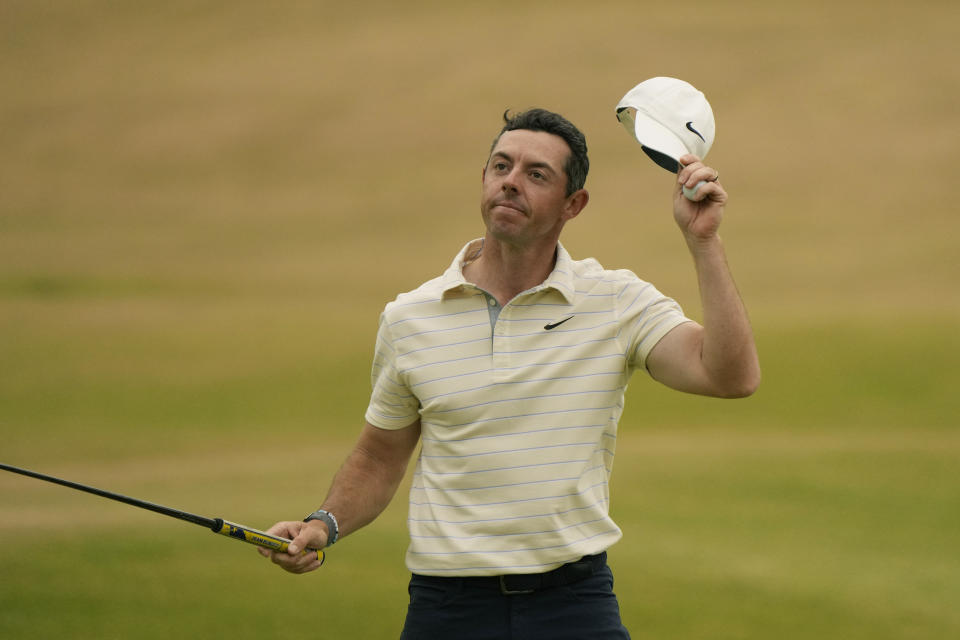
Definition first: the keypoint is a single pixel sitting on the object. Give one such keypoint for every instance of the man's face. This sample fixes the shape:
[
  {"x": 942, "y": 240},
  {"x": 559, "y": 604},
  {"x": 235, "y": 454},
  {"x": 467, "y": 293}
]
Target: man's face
[{"x": 524, "y": 188}]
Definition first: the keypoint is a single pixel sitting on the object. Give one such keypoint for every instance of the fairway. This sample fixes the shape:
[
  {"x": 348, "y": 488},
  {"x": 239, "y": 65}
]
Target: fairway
[{"x": 205, "y": 206}]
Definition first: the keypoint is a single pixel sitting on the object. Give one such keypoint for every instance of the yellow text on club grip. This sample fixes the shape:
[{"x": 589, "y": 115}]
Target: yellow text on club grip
[{"x": 260, "y": 538}]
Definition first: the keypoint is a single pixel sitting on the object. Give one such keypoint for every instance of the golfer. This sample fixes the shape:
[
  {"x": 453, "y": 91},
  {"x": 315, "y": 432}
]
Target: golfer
[{"x": 509, "y": 370}]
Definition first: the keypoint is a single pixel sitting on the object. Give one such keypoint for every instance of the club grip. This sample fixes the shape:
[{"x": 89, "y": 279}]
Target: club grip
[{"x": 257, "y": 537}]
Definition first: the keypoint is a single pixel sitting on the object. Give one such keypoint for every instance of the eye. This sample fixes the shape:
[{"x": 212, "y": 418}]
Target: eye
[
  {"x": 536, "y": 175},
  {"x": 500, "y": 166}
]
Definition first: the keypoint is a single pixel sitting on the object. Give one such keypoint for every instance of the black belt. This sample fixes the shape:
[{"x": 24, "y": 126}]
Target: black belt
[{"x": 524, "y": 583}]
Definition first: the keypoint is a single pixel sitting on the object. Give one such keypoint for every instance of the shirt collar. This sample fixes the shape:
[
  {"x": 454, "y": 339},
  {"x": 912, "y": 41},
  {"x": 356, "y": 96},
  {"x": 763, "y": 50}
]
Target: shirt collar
[{"x": 560, "y": 279}]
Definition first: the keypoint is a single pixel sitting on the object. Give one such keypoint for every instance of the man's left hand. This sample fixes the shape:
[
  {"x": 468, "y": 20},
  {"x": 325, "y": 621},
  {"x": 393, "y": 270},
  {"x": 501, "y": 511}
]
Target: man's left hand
[{"x": 700, "y": 218}]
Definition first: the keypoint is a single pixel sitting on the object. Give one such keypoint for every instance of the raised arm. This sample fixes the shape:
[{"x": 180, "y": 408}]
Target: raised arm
[
  {"x": 718, "y": 358},
  {"x": 360, "y": 491}
]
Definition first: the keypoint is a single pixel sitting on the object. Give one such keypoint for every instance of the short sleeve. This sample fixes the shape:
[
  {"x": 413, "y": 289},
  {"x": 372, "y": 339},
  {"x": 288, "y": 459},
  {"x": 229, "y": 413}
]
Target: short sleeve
[
  {"x": 392, "y": 404},
  {"x": 646, "y": 316}
]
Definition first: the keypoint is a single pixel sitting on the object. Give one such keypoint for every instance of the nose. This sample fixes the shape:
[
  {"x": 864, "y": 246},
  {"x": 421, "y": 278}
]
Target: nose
[{"x": 510, "y": 181}]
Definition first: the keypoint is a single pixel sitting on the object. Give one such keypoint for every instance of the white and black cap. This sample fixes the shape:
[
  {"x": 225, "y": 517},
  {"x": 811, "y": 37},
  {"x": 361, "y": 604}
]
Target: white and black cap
[{"x": 669, "y": 118}]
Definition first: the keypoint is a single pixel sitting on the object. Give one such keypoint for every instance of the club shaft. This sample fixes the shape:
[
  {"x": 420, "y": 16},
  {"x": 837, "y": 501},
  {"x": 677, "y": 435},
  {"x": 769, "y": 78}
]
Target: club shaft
[
  {"x": 217, "y": 525},
  {"x": 209, "y": 523}
]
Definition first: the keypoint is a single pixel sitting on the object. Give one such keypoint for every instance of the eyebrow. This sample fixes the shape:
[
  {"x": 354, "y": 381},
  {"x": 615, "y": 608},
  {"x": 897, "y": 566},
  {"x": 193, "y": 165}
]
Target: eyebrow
[{"x": 531, "y": 165}]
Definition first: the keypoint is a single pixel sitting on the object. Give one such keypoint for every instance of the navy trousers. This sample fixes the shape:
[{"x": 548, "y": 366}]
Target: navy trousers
[{"x": 476, "y": 609}]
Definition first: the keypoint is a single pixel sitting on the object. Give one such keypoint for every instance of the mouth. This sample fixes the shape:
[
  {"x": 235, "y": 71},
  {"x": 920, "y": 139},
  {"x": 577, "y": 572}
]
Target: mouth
[{"x": 508, "y": 204}]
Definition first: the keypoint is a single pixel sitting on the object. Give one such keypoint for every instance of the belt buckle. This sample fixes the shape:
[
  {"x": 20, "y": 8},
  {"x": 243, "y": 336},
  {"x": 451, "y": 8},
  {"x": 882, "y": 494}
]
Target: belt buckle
[{"x": 507, "y": 591}]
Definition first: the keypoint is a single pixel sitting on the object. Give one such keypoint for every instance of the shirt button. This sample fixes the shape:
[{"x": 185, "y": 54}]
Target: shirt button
[{"x": 493, "y": 302}]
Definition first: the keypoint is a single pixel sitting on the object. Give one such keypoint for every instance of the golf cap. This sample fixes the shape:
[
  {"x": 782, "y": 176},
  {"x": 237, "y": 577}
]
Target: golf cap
[{"x": 669, "y": 118}]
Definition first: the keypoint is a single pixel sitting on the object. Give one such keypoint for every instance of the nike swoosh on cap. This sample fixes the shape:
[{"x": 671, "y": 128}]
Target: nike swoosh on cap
[
  {"x": 554, "y": 325},
  {"x": 690, "y": 127}
]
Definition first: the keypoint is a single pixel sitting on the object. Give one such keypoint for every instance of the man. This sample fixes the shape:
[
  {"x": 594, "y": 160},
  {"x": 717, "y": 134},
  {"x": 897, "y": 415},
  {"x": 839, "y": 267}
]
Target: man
[{"x": 510, "y": 370}]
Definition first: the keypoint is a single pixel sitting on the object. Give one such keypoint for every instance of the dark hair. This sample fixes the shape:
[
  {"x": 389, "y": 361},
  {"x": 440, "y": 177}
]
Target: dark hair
[{"x": 577, "y": 164}]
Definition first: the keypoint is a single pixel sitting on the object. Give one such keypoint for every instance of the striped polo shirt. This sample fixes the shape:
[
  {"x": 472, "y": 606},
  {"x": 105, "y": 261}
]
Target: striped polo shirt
[{"x": 519, "y": 408}]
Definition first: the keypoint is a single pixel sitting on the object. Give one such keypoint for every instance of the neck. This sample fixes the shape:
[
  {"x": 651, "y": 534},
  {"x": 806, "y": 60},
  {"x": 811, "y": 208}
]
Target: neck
[{"x": 505, "y": 270}]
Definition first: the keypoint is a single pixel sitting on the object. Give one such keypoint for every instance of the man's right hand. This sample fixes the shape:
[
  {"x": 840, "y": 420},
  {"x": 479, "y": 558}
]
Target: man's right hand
[
  {"x": 303, "y": 535},
  {"x": 361, "y": 490}
]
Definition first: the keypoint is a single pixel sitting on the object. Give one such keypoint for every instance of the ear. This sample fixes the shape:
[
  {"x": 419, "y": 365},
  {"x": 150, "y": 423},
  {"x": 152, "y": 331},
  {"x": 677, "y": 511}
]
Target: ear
[{"x": 575, "y": 203}]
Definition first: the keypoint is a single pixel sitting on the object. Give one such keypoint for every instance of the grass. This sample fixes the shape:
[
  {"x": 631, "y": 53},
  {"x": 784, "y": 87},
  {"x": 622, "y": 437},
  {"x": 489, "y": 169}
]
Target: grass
[
  {"x": 739, "y": 518},
  {"x": 204, "y": 208},
  {"x": 833, "y": 539}
]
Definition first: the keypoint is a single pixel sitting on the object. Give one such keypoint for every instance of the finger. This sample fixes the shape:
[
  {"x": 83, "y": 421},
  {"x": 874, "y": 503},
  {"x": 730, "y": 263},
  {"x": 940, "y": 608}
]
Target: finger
[
  {"x": 703, "y": 190},
  {"x": 284, "y": 560},
  {"x": 306, "y": 563},
  {"x": 695, "y": 173},
  {"x": 285, "y": 529},
  {"x": 693, "y": 170},
  {"x": 298, "y": 564},
  {"x": 310, "y": 536},
  {"x": 693, "y": 193}
]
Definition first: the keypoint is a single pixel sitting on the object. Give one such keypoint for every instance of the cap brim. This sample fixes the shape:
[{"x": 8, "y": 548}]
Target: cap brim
[{"x": 654, "y": 136}]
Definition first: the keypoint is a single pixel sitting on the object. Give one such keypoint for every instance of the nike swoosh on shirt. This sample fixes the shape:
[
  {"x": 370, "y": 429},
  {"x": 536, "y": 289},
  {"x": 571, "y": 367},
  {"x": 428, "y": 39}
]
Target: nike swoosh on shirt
[{"x": 554, "y": 325}]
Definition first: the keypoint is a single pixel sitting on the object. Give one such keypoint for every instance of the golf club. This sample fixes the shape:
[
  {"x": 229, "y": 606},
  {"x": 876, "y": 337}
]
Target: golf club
[{"x": 217, "y": 525}]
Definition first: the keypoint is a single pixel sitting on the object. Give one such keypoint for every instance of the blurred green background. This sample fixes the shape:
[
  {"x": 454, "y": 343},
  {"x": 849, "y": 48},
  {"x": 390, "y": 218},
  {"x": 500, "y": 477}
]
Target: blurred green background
[{"x": 205, "y": 205}]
